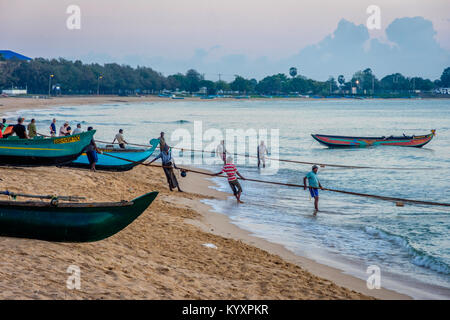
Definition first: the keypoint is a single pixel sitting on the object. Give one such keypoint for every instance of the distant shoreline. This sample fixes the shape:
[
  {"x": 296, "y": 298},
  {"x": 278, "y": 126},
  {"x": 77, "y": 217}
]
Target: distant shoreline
[{"x": 18, "y": 103}]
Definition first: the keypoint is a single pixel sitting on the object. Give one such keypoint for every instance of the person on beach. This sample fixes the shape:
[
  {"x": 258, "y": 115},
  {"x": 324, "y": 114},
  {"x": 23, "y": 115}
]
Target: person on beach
[
  {"x": 120, "y": 139},
  {"x": 162, "y": 142},
  {"x": 168, "y": 165},
  {"x": 53, "y": 128},
  {"x": 19, "y": 129},
  {"x": 221, "y": 152},
  {"x": 91, "y": 152},
  {"x": 230, "y": 169},
  {"x": 313, "y": 184},
  {"x": 77, "y": 129},
  {"x": 32, "y": 132},
  {"x": 262, "y": 151},
  {"x": 63, "y": 129}
]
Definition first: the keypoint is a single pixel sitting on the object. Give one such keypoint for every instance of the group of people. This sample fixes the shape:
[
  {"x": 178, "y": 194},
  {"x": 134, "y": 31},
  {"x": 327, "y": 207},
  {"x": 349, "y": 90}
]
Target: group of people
[
  {"x": 18, "y": 129},
  {"x": 310, "y": 181},
  {"x": 64, "y": 130}
]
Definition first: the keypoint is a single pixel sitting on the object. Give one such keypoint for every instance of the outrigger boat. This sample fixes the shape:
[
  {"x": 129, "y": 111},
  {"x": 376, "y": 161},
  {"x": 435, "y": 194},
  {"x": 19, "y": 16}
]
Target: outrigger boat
[
  {"x": 347, "y": 141},
  {"x": 69, "y": 222},
  {"x": 113, "y": 163},
  {"x": 41, "y": 151}
]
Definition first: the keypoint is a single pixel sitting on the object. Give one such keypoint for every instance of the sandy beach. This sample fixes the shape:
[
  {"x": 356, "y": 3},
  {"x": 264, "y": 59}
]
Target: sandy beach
[{"x": 161, "y": 255}]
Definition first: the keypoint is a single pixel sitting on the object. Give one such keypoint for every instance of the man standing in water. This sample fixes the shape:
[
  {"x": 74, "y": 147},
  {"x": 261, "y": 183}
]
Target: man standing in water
[
  {"x": 313, "y": 184},
  {"x": 230, "y": 169},
  {"x": 221, "y": 152},
  {"x": 262, "y": 151}
]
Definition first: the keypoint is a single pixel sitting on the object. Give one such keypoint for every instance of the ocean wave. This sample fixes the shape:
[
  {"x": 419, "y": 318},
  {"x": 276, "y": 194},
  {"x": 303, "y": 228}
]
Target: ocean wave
[
  {"x": 169, "y": 122},
  {"x": 418, "y": 257}
]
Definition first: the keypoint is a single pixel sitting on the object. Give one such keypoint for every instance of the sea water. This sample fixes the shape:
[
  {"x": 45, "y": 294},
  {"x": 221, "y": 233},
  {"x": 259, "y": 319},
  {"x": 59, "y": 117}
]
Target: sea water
[{"x": 410, "y": 244}]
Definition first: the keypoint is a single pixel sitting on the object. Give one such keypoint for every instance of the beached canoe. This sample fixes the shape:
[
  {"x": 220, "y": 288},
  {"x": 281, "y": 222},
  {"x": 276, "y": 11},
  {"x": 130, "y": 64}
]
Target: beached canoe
[
  {"x": 106, "y": 162},
  {"x": 346, "y": 141},
  {"x": 69, "y": 222},
  {"x": 41, "y": 151}
]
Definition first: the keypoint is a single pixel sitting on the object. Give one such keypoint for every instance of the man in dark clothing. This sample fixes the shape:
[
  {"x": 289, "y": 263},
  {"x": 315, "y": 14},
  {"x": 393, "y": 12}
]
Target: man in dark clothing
[
  {"x": 91, "y": 152},
  {"x": 20, "y": 130},
  {"x": 168, "y": 165}
]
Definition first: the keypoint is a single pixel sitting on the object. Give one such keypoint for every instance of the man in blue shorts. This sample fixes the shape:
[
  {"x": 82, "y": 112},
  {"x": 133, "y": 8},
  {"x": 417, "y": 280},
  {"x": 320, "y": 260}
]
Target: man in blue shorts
[{"x": 313, "y": 184}]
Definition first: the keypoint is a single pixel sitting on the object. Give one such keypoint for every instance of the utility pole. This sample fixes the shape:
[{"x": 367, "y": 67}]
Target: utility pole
[
  {"x": 49, "y": 83},
  {"x": 98, "y": 84},
  {"x": 219, "y": 75}
]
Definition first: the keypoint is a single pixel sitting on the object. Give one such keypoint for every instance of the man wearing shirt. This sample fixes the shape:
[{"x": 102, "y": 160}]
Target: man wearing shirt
[
  {"x": 32, "y": 129},
  {"x": 262, "y": 151},
  {"x": 120, "y": 139},
  {"x": 77, "y": 129},
  {"x": 221, "y": 152},
  {"x": 168, "y": 164},
  {"x": 314, "y": 184},
  {"x": 53, "y": 128},
  {"x": 19, "y": 129},
  {"x": 63, "y": 130},
  {"x": 230, "y": 169}
]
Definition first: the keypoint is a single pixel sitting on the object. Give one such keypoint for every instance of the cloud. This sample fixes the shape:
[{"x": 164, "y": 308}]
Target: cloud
[{"x": 411, "y": 49}]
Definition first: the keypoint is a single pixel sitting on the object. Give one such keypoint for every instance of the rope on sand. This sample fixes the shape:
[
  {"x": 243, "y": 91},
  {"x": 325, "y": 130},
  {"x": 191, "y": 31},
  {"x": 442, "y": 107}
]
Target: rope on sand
[{"x": 431, "y": 203}]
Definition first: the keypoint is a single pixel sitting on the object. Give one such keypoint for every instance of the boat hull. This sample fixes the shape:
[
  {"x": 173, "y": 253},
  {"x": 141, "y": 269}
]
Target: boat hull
[
  {"x": 69, "y": 222},
  {"x": 108, "y": 163},
  {"x": 44, "y": 151},
  {"x": 358, "y": 142}
]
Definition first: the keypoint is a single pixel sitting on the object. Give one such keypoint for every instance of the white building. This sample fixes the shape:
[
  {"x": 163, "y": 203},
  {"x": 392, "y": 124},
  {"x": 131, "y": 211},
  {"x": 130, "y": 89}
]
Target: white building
[{"x": 14, "y": 92}]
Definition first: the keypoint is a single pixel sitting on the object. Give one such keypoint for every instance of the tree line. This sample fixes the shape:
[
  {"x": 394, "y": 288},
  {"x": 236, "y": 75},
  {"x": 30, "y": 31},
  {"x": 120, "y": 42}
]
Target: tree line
[{"x": 75, "y": 77}]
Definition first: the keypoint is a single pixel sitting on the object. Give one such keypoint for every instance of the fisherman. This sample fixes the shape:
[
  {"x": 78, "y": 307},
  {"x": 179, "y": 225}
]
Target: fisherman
[
  {"x": 120, "y": 139},
  {"x": 262, "y": 151},
  {"x": 68, "y": 131},
  {"x": 313, "y": 184},
  {"x": 63, "y": 129},
  {"x": 1, "y": 130},
  {"x": 168, "y": 164},
  {"x": 221, "y": 152},
  {"x": 32, "y": 132},
  {"x": 230, "y": 169},
  {"x": 77, "y": 129},
  {"x": 53, "y": 128},
  {"x": 162, "y": 142},
  {"x": 91, "y": 152},
  {"x": 19, "y": 129}
]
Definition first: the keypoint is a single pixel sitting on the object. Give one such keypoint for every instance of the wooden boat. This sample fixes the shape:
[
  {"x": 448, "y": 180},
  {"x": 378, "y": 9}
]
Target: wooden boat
[
  {"x": 41, "y": 151},
  {"x": 105, "y": 162},
  {"x": 346, "y": 141},
  {"x": 69, "y": 222}
]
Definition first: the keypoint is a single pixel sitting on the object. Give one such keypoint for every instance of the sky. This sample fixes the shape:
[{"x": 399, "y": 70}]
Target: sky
[{"x": 253, "y": 38}]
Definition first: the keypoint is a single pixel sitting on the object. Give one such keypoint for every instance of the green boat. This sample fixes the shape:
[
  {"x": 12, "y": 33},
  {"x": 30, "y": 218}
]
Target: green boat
[
  {"x": 41, "y": 151},
  {"x": 69, "y": 222}
]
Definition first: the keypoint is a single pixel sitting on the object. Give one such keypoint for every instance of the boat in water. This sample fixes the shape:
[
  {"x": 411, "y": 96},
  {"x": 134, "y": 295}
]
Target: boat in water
[
  {"x": 115, "y": 159},
  {"x": 69, "y": 222},
  {"x": 347, "y": 141},
  {"x": 41, "y": 151}
]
